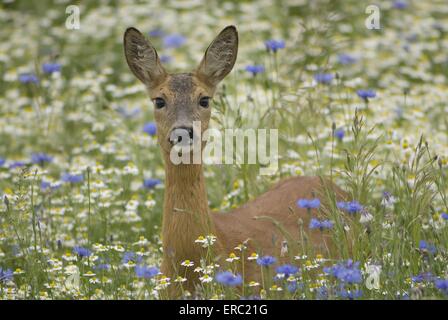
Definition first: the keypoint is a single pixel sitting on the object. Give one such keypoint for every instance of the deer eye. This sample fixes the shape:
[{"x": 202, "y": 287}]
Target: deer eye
[
  {"x": 204, "y": 102},
  {"x": 159, "y": 103}
]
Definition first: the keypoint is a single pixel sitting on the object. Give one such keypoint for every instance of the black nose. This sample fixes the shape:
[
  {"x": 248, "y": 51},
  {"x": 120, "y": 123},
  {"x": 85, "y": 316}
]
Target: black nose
[{"x": 181, "y": 134}]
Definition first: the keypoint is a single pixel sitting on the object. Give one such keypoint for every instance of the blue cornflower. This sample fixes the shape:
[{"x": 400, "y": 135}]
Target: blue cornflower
[
  {"x": 150, "y": 183},
  {"x": 349, "y": 294},
  {"x": 82, "y": 252},
  {"x": 442, "y": 285},
  {"x": 131, "y": 256},
  {"x": 227, "y": 278},
  {"x": 347, "y": 271},
  {"x": 49, "y": 68},
  {"x": 2, "y": 161},
  {"x": 146, "y": 272},
  {"x": 165, "y": 58},
  {"x": 274, "y": 45},
  {"x": 346, "y": 59},
  {"x": 287, "y": 270},
  {"x": 266, "y": 261},
  {"x": 323, "y": 78},
  {"x": 400, "y": 4},
  {"x": 72, "y": 178},
  {"x": 41, "y": 158},
  {"x": 322, "y": 293},
  {"x": 292, "y": 286},
  {"x": 156, "y": 33},
  {"x": 150, "y": 128},
  {"x": 351, "y": 207},
  {"x": 366, "y": 94},
  {"x": 17, "y": 164},
  {"x": 308, "y": 203},
  {"x": 339, "y": 134},
  {"x": 174, "y": 41},
  {"x": 45, "y": 185},
  {"x": 324, "y": 224},
  {"x": 26, "y": 78},
  {"x": 427, "y": 247},
  {"x": 6, "y": 275},
  {"x": 255, "y": 69},
  {"x": 102, "y": 266},
  {"x": 425, "y": 276},
  {"x": 444, "y": 215}
]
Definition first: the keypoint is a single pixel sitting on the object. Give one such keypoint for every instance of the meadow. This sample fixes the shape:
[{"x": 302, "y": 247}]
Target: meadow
[{"x": 82, "y": 178}]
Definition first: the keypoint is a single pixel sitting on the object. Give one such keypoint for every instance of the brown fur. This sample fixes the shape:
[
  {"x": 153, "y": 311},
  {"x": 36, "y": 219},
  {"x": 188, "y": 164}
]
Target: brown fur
[{"x": 265, "y": 222}]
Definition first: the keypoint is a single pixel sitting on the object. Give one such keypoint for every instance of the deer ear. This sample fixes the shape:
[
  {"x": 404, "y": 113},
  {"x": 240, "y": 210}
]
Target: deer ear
[
  {"x": 220, "y": 57},
  {"x": 142, "y": 58}
]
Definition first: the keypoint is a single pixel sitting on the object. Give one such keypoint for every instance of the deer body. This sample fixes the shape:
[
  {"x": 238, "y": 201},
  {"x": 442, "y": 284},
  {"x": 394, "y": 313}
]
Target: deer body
[{"x": 181, "y": 99}]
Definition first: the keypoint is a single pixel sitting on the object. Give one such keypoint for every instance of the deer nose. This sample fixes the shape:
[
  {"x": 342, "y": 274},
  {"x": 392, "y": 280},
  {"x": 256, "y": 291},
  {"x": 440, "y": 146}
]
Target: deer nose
[{"x": 181, "y": 136}]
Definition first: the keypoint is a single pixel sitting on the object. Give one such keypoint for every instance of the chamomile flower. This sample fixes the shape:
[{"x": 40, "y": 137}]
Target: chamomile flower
[
  {"x": 232, "y": 257},
  {"x": 187, "y": 263}
]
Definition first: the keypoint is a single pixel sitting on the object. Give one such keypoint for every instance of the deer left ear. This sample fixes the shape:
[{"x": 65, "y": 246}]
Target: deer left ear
[
  {"x": 142, "y": 58},
  {"x": 220, "y": 57}
]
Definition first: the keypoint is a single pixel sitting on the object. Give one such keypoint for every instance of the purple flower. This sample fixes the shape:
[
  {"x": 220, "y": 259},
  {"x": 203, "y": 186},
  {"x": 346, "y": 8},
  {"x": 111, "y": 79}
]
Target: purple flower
[
  {"x": 266, "y": 261},
  {"x": 324, "y": 224},
  {"x": 255, "y": 69},
  {"x": 26, "y": 78},
  {"x": 102, "y": 266},
  {"x": 351, "y": 207},
  {"x": 150, "y": 128},
  {"x": 346, "y": 272},
  {"x": 348, "y": 294},
  {"x": 146, "y": 272},
  {"x": 72, "y": 178},
  {"x": 444, "y": 215},
  {"x": 425, "y": 276},
  {"x": 400, "y": 4},
  {"x": 274, "y": 45},
  {"x": 323, "y": 78},
  {"x": 174, "y": 41},
  {"x": 2, "y": 161},
  {"x": 227, "y": 278},
  {"x": 82, "y": 252},
  {"x": 49, "y": 68},
  {"x": 322, "y": 293},
  {"x": 339, "y": 134},
  {"x": 45, "y": 185},
  {"x": 131, "y": 256},
  {"x": 427, "y": 247},
  {"x": 17, "y": 164},
  {"x": 156, "y": 33},
  {"x": 287, "y": 270},
  {"x": 165, "y": 58},
  {"x": 442, "y": 285},
  {"x": 366, "y": 94},
  {"x": 346, "y": 59},
  {"x": 308, "y": 203},
  {"x": 150, "y": 183},
  {"x": 6, "y": 275},
  {"x": 41, "y": 158}
]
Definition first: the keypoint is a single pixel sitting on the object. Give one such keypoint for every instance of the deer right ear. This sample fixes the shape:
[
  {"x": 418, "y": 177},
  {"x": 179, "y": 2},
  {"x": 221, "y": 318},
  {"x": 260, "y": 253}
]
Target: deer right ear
[
  {"x": 220, "y": 56},
  {"x": 142, "y": 58}
]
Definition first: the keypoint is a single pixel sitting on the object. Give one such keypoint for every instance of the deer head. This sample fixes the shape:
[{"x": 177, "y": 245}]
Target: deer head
[{"x": 183, "y": 98}]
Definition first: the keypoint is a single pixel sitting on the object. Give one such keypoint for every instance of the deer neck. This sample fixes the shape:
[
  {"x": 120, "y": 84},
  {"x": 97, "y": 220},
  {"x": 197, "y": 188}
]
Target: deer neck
[{"x": 185, "y": 215}]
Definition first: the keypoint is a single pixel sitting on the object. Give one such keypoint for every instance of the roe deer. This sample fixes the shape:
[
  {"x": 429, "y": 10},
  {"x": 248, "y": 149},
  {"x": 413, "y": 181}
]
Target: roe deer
[{"x": 179, "y": 100}]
